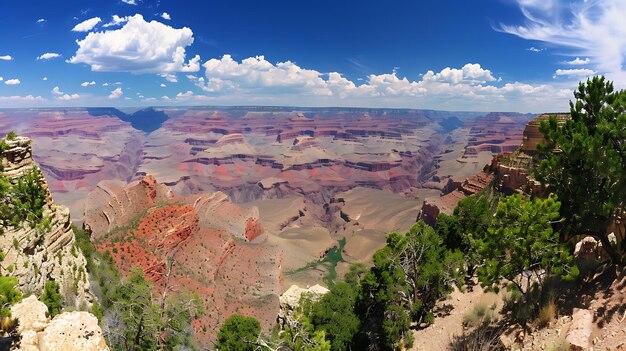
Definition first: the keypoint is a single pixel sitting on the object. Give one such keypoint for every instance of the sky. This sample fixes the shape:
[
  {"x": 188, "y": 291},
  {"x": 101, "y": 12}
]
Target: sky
[{"x": 487, "y": 55}]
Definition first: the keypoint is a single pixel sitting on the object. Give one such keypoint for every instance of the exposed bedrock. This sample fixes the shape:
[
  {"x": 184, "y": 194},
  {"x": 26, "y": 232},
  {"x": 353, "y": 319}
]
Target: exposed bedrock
[
  {"x": 34, "y": 255},
  {"x": 205, "y": 243}
]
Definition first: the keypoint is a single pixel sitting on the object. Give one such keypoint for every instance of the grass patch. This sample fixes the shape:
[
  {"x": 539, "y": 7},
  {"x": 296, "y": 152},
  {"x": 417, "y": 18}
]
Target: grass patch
[{"x": 480, "y": 314}]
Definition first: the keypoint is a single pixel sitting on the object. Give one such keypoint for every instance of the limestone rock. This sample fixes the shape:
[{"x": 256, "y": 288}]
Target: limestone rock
[
  {"x": 290, "y": 299},
  {"x": 31, "y": 314},
  {"x": 34, "y": 256},
  {"x": 67, "y": 331},
  {"x": 72, "y": 331},
  {"x": 580, "y": 330}
]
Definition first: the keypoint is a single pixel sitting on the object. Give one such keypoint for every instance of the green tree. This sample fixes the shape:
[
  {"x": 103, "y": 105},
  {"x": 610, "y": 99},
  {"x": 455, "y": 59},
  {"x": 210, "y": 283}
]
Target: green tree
[
  {"x": 334, "y": 314},
  {"x": 583, "y": 161},
  {"x": 133, "y": 302},
  {"x": 8, "y": 295},
  {"x": 52, "y": 298},
  {"x": 522, "y": 247},
  {"x": 238, "y": 333},
  {"x": 410, "y": 274}
]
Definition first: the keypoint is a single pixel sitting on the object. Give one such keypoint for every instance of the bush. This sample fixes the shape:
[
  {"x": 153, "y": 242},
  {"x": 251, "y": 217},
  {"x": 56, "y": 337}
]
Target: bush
[
  {"x": 52, "y": 298},
  {"x": 547, "y": 314},
  {"x": 480, "y": 314},
  {"x": 238, "y": 333},
  {"x": 8, "y": 295}
]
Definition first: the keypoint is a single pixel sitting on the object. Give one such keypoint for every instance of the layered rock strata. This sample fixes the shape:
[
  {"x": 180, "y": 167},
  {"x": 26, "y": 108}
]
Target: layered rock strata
[{"x": 35, "y": 255}]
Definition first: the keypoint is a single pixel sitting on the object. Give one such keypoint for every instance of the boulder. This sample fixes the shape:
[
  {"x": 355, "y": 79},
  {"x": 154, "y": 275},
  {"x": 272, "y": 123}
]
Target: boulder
[
  {"x": 31, "y": 314},
  {"x": 72, "y": 331},
  {"x": 580, "y": 330}
]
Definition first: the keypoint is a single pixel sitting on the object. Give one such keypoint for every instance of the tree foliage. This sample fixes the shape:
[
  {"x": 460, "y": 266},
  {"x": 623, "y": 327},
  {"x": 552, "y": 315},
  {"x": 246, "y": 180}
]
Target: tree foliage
[
  {"x": 410, "y": 274},
  {"x": 52, "y": 298},
  {"x": 8, "y": 295},
  {"x": 521, "y": 246},
  {"x": 583, "y": 161},
  {"x": 238, "y": 333},
  {"x": 334, "y": 315}
]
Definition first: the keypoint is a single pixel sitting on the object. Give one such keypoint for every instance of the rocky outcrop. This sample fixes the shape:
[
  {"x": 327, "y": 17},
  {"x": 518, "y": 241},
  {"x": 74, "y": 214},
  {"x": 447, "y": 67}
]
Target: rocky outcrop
[
  {"x": 67, "y": 331},
  {"x": 36, "y": 255},
  {"x": 200, "y": 243},
  {"x": 290, "y": 299},
  {"x": 532, "y": 136}
]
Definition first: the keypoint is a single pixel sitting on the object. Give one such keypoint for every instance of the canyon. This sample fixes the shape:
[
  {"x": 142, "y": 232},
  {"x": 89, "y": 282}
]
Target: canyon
[{"x": 237, "y": 204}]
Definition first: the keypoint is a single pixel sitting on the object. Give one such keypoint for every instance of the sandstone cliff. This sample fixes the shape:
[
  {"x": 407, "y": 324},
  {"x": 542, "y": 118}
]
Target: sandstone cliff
[{"x": 35, "y": 255}]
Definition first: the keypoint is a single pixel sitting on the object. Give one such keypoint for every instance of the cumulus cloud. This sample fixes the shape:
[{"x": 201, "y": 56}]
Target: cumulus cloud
[
  {"x": 44, "y": 78},
  {"x": 85, "y": 84},
  {"x": 116, "y": 21},
  {"x": 115, "y": 94},
  {"x": 48, "y": 56},
  {"x": 258, "y": 73},
  {"x": 580, "y": 72},
  {"x": 470, "y": 87},
  {"x": 17, "y": 98},
  {"x": 41, "y": 20},
  {"x": 130, "y": 2},
  {"x": 6, "y": 58},
  {"x": 534, "y": 49},
  {"x": 577, "y": 62},
  {"x": 163, "y": 85},
  {"x": 86, "y": 25},
  {"x": 13, "y": 81},
  {"x": 57, "y": 91},
  {"x": 1, "y": 79},
  {"x": 166, "y": 16},
  {"x": 471, "y": 73},
  {"x": 595, "y": 29},
  {"x": 68, "y": 97},
  {"x": 138, "y": 47},
  {"x": 169, "y": 77}
]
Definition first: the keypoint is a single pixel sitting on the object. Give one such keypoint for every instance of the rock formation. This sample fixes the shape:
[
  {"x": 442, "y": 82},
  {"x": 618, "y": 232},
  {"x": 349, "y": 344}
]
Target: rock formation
[
  {"x": 67, "y": 331},
  {"x": 34, "y": 255},
  {"x": 200, "y": 243},
  {"x": 290, "y": 299}
]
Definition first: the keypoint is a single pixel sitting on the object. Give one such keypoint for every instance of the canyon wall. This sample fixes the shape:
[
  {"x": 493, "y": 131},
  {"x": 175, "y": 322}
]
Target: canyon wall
[{"x": 36, "y": 255}]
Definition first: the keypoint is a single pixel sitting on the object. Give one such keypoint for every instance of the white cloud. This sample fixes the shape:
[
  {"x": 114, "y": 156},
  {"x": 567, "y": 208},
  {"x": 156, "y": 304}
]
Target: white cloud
[
  {"x": 130, "y": 2},
  {"x": 163, "y": 85},
  {"x": 115, "y": 94},
  {"x": 138, "y": 47},
  {"x": 12, "y": 81},
  {"x": 6, "y": 58},
  {"x": 1, "y": 79},
  {"x": 41, "y": 20},
  {"x": 44, "y": 78},
  {"x": 86, "y": 25},
  {"x": 105, "y": 84},
  {"x": 578, "y": 62},
  {"x": 169, "y": 77},
  {"x": 68, "y": 97},
  {"x": 85, "y": 84},
  {"x": 57, "y": 91},
  {"x": 470, "y": 87},
  {"x": 16, "y": 98},
  {"x": 166, "y": 16},
  {"x": 595, "y": 29},
  {"x": 116, "y": 21},
  {"x": 534, "y": 49},
  {"x": 258, "y": 73},
  {"x": 48, "y": 56},
  {"x": 471, "y": 73},
  {"x": 580, "y": 72}
]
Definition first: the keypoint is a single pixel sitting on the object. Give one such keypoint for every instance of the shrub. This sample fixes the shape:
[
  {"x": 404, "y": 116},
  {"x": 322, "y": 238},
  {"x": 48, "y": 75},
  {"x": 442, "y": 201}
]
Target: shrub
[
  {"x": 52, "y": 298},
  {"x": 547, "y": 314},
  {"x": 479, "y": 314}
]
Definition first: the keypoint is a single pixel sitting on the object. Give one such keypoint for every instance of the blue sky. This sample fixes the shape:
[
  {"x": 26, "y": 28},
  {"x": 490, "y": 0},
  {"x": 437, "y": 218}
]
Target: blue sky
[{"x": 505, "y": 55}]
